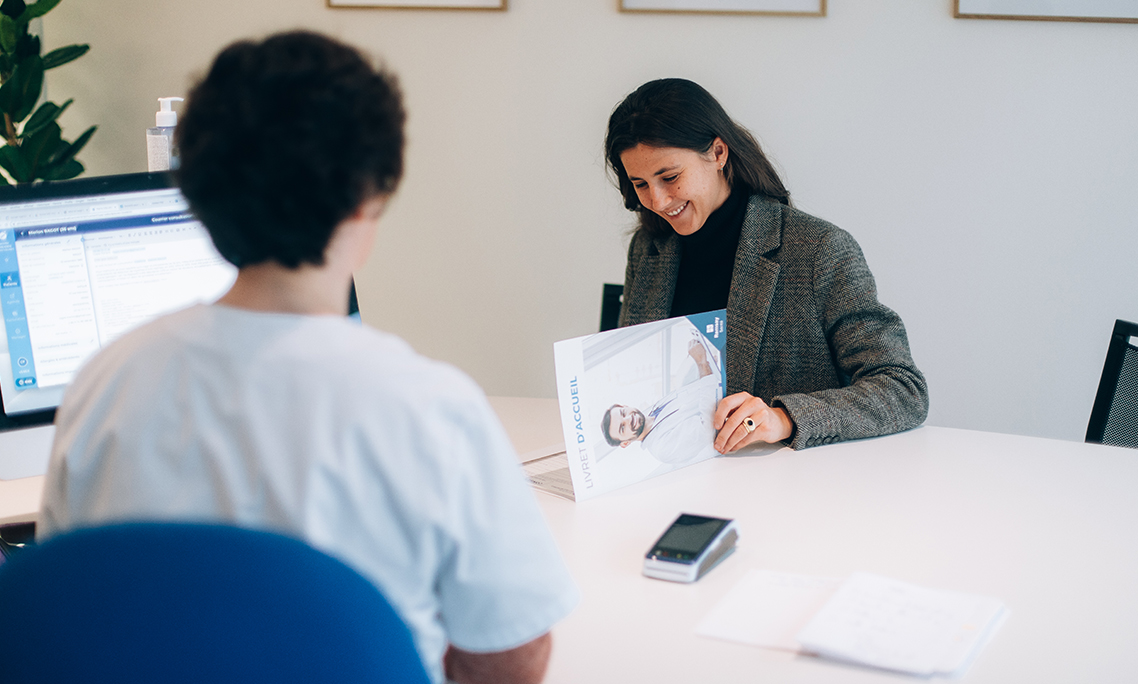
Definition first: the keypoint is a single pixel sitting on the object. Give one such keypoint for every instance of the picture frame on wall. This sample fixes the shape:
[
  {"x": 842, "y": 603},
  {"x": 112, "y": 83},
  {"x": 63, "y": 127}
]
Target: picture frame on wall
[
  {"x": 799, "y": 8},
  {"x": 421, "y": 4},
  {"x": 1121, "y": 11}
]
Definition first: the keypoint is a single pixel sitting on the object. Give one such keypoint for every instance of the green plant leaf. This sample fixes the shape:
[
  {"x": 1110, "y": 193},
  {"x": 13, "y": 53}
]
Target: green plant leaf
[
  {"x": 10, "y": 95},
  {"x": 13, "y": 8},
  {"x": 19, "y": 93},
  {"x": 26, "y": 83},
  {"x": 46, "y": 113},
  {"x": 39, "y": 149},
  {"x": 9, "y": 34},
  {"x": 38, "y": 9},
  {"x": 63, "y": 55},
  {"x": 69, "y": 150},
  {"x": 26, "y": 44},
  {"x": 68, "y": 169},
  {"x": 13, "y": 161}
]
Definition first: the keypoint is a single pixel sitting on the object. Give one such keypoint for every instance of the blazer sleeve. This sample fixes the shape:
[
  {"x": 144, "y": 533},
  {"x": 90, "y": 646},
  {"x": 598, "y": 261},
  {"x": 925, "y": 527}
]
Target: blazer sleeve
[{"x": 883, "y": 391}]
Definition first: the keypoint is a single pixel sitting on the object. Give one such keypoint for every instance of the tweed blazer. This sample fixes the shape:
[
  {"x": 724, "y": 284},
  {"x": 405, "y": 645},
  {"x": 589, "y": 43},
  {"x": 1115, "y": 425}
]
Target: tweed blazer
[{"x": 804, "y": 328}]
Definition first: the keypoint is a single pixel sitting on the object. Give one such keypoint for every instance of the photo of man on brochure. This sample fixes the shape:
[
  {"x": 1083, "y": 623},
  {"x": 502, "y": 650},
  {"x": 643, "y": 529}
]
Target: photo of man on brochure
[
  {"x": 637, "y": 402},
  {"x": 677, "y": 426},
  {"x": 654, "y": 387}
]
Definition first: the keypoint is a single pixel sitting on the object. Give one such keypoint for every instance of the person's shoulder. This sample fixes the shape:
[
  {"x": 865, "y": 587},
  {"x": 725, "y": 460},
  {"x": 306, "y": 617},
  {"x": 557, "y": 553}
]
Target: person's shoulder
[
  {"x": 129, "y": 360},
  {"x": 805, "y": 231},
  {"x": 431, "y": 408},
  {"x": 798, "y": 223},
  {"x": 325, "y": 350},
  {"x": 157, "y": 337},
  {"x": 639, "y": 245},
  {"x": 384, "y": 366},
  {"x": 378, "y": 351},
  {"x": 163, "y": 327}
]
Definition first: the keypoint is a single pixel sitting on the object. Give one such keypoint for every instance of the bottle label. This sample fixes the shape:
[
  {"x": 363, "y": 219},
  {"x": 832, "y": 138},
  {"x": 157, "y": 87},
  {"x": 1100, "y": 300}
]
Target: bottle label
[{"x": 157, "y": 153}]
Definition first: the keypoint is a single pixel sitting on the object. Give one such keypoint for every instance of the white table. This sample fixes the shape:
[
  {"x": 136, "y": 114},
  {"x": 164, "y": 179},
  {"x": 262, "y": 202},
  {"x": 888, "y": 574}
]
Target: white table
[
  {"x": 1049, "y": 527},
  {"x": 24, "y": 451}
]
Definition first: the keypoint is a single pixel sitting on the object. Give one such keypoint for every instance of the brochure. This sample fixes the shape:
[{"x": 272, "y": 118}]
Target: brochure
[{"x": 635, "y": 403}]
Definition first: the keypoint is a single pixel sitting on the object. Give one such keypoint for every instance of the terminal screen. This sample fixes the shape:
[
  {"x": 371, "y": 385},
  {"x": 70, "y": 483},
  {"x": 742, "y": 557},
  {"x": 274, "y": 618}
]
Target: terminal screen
[{"x": 688, "y": 536}]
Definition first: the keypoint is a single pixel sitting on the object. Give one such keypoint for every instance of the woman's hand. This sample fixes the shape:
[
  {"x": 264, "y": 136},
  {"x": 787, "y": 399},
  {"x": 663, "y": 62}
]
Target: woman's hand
[{"x": 769, "y": 424}]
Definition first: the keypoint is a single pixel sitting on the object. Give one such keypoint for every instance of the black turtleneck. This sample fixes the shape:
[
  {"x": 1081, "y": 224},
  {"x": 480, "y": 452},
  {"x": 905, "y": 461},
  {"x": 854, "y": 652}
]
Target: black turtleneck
[{"x": 707, "y": 258}]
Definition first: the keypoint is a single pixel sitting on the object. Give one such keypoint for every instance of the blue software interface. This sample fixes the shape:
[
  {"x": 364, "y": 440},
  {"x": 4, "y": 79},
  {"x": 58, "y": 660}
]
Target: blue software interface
[{"x": 77, "y": 272}]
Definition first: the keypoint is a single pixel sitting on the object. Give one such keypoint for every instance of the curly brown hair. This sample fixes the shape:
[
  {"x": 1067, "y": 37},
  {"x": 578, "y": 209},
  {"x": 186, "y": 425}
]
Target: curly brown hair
[{"x": 284, "y": 139}]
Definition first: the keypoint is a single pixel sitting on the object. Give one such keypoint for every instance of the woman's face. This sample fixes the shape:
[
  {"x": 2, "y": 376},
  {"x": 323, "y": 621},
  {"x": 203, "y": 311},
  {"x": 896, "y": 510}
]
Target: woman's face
[{"x": 681, "y": 185}]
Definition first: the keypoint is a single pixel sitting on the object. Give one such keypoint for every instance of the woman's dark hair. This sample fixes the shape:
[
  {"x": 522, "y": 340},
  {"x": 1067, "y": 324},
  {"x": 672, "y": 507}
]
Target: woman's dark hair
[
  {"x": 673, "y": 112},
  {"x": 283, "y": 140}
]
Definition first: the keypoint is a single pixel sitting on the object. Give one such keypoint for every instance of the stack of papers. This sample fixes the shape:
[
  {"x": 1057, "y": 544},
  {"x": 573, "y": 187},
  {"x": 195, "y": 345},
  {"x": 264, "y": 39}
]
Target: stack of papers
[
  {"x": 551, "y": 474},
  {"x": 865, "y": 620}
]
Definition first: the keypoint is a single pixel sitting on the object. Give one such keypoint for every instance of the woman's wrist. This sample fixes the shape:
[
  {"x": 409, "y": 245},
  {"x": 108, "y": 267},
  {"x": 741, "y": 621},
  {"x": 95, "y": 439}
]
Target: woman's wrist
[{"x": 786, "y": 422}]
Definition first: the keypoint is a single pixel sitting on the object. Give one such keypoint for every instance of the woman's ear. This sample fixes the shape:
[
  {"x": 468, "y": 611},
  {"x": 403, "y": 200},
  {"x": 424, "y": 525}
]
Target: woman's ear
[{"x": 719, "y": 152}]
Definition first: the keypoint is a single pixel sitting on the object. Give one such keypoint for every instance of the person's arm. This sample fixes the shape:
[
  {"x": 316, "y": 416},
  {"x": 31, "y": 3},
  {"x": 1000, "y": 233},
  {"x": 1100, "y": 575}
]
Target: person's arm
[
  {"x": 698, "y": 354},
  {"x": 502, "y": 583},
  {"x": 886, "y": 393},
  {"x": 883, "y": 392},
  {"x": 525, "y": 664}
]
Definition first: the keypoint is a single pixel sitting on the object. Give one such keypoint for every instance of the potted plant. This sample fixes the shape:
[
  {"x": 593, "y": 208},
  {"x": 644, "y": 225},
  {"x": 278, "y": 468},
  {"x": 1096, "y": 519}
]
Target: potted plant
[{"x": 33, "y": 145}]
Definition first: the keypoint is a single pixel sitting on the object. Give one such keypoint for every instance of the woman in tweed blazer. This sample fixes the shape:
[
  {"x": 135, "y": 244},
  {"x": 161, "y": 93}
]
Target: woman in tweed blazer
[{"x": 812, "y": 356}]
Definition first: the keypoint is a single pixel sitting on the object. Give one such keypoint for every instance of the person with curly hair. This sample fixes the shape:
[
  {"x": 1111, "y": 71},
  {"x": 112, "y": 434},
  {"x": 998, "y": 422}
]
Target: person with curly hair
[{"x": 271, "y": 409}]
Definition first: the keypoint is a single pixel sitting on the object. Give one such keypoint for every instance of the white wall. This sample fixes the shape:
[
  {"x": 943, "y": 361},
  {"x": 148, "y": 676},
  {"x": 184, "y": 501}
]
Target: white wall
[{"x": 988, "y": 169}]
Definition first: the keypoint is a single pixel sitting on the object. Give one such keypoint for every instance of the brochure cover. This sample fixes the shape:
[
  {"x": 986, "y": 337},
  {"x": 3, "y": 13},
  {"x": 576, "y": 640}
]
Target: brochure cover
[{"x": 638, "y": 402}]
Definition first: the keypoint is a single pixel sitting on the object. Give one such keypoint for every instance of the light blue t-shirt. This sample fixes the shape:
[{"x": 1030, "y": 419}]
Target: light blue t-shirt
[{"x": 329, "y": 431}]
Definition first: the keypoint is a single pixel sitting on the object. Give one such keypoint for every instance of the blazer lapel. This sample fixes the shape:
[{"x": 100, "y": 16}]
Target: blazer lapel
[
  {"x": 655, "y": 274},
  {"x": 753, "y": 283}
]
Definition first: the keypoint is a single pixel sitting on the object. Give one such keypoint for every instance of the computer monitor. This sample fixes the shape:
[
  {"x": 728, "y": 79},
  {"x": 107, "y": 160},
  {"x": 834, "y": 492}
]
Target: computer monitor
[{"x": 82, "y": 262}]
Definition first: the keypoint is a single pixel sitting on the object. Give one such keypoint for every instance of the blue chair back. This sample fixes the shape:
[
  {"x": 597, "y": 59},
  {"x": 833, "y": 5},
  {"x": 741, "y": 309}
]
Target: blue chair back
[{"x": 157, "y": 602}]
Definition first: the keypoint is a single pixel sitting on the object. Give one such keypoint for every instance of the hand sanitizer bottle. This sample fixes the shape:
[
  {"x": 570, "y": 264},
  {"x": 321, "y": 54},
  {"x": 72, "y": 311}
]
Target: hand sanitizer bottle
[{"x": 161, "y": 154}]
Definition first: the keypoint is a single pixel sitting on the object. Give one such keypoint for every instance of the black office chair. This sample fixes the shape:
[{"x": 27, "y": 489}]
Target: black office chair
[
  {"x": 1114, "y": 418},
  {"x": 154, "y": 602},
  {"x": 610, "y": 306}
]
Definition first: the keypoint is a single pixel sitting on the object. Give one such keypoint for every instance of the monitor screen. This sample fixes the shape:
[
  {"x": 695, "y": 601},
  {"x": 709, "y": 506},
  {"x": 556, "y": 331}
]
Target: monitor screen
[{"x": 82, "y": 262}]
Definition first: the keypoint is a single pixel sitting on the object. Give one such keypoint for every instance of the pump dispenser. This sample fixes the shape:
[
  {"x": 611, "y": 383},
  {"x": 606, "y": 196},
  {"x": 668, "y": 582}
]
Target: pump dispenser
[{"x": 161, "y": 154}]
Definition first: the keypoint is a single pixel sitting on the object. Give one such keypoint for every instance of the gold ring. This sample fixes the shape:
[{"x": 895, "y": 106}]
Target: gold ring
[{"x": 749, "y": 425}]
